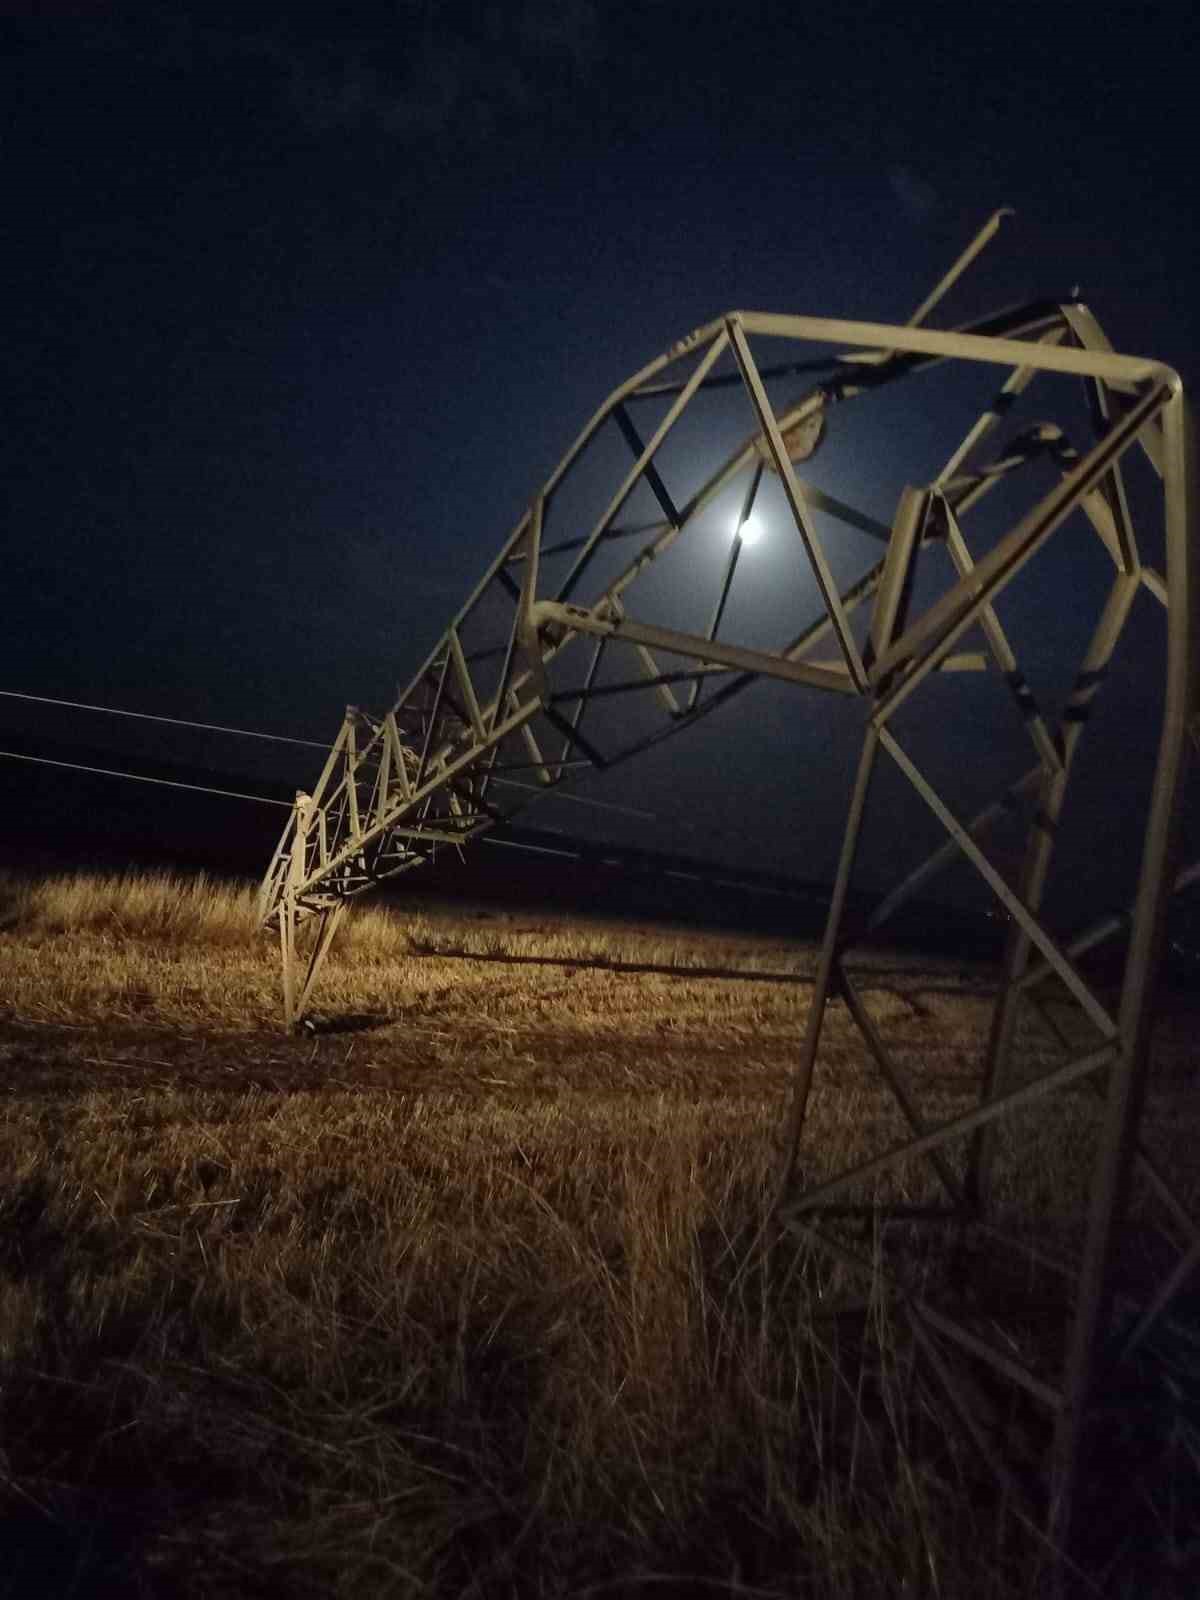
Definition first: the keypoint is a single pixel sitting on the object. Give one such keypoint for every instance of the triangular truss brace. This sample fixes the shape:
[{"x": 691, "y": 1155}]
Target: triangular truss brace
[{"x": 568, "y": 657}]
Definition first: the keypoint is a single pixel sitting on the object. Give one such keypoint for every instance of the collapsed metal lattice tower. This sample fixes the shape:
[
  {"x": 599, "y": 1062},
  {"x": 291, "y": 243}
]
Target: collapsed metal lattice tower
[{"x": 510, "y": 704}]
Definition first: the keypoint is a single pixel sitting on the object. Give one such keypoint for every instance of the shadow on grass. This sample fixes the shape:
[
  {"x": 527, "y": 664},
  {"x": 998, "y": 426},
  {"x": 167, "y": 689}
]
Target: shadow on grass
[
  {"x": 347, "y": 1022},
  {"x": 117, "y": 1489},
  {"x": 52, "y": 1555},
  {"x": 912, "y": 978},
  {"x": 604, "y": 964}
]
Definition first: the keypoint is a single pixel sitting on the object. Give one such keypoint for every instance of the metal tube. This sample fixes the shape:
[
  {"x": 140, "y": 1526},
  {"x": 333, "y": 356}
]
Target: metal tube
[
  {"x": 955, "y": 1128},
  {"x": 1126, "y": 1087},
  {"x": 584, "y": 557},
  {"x": 968, "y": 598},
  {"x": 892, "y": 1078},
  {"x": 1015, "y": 907},
  {"x": 808, "y": 533},
  {"x": 802, "y": 1081},
  {"x": 946, "y": 283},
  {"x": 983, "y": 1349},
  {"x": 731, "y": 561},
  {"x": 1002, "y": 652},
  {"x": 961, "y": 346},
  {"x": 945, "y": 855},
  {"x": 1036, "y": 867},
  {"x": 575, "y": 620}
]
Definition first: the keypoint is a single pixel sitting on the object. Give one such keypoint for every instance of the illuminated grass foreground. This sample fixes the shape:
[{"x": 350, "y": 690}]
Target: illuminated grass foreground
[{"x": 471, "y": 1291}]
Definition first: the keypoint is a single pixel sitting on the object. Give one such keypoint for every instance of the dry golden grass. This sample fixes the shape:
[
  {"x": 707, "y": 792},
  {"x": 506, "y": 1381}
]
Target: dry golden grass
[{"x": 471, "y": 1293}]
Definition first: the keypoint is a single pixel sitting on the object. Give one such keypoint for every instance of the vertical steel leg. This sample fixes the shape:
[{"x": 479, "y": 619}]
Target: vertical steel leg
[
  {"x": 1034, "y": 872},
  {"x": 802, "y": 1082},
  {"x": 296, "y": 868},
  {"x": 287, "y": 952},
  {"x": 1127, "y": 1079},
  {"x": 331, "y": 918},
  {"x": 1006, "y": 1015}
]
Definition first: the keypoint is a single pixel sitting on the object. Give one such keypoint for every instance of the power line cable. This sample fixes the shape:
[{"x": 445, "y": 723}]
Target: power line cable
[
  {"x": 230, "y": 794},
  {"x": 310, "y": 744},
  {"x": 286, "y": 805},
  {"x": 146, "y": 716},
  {"x": 139, "y": 777},
  {"x": 578, "y": 799},
  {"x": 283, "y": 738}
]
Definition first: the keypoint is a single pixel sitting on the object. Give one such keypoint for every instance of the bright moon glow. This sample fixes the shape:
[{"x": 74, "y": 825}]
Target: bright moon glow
[{"x": 751, "y": 531}]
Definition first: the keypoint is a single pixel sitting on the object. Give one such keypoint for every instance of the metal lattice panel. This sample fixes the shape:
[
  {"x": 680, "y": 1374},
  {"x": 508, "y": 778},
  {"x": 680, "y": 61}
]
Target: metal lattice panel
[{"x": 547, "y": 671}]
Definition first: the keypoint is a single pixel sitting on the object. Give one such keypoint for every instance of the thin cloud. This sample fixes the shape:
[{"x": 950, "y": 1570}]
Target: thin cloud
[
  {"x": 423, "y": 73},
  {"x": 463, "y": 81},
  {"x": 917, "y": 198}
]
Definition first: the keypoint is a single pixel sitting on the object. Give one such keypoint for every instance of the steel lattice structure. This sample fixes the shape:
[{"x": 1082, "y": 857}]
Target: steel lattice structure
[{"x": 512, "y": 702}]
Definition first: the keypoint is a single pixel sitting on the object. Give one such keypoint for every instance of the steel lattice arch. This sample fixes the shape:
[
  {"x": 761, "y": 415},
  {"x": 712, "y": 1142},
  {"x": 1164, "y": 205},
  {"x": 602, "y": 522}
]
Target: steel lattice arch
[{"x": 547, "y": 672}]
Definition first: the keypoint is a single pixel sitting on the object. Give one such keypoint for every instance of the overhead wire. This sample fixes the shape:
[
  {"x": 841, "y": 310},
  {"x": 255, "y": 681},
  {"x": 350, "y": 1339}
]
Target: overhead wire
[
  {"x": 147, "y": 716},
  {"x": 267, "y": 800},
  {"x": 141, "y": 777},
  {"x": 277, "y": 738},
  {"x": 230, "y": 794},
  {"x": 536, "y": 790}
]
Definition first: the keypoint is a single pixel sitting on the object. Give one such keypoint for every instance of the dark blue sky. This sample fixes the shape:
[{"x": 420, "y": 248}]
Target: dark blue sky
[{"x": 301, "y": 308}]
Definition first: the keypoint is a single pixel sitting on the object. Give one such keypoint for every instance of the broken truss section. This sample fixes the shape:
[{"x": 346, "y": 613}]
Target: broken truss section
[{"x": 518, "y": 697}]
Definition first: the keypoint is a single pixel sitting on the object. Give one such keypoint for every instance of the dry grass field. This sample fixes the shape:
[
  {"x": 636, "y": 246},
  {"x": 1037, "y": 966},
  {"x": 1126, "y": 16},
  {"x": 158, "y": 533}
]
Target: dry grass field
[{"x": 468, "y": 1291}]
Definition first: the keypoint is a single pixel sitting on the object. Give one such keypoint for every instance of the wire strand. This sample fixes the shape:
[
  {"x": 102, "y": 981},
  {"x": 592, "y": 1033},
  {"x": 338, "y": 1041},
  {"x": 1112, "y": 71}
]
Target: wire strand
[
  {"x": 577, "y": 799},
  {"x": 277, "y": 738},
  {"x": 146, "y": 716},
  {"x": 285, "y": 805},
  {"x": 139, "y": 777},
  {"x": 231, "y": 794}
]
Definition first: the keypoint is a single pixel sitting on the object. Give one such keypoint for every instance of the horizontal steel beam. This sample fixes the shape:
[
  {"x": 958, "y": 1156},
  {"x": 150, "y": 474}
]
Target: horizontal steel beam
[{"x": 708, "y": 652}]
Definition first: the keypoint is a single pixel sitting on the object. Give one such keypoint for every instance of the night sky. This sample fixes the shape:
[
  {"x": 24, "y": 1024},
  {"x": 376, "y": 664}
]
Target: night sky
[{"x": 305, "y": 302}]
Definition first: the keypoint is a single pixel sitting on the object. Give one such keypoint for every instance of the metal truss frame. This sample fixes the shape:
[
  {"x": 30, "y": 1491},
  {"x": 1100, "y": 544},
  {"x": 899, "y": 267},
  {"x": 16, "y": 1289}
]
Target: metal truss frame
[{"x": 482, "y": 729}]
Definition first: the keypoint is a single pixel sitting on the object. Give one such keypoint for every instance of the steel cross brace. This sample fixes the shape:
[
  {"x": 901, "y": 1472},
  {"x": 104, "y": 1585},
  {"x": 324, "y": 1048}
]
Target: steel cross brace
[{"x": 520, "y": 680}]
